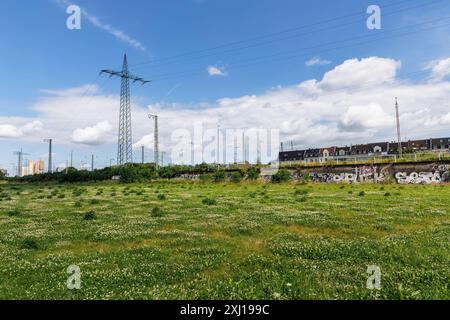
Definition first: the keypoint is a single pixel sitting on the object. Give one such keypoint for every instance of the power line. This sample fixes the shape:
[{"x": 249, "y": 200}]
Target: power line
[
  {"x": 267, "y": 58},
  {"x": 283, "y": 32}
]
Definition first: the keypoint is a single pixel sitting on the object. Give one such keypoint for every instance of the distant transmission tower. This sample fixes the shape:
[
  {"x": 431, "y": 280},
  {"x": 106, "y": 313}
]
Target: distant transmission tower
[
  {"x": 20, "y": 154},
  {"x": 125, "y": 143},
  {"x": 156, "y": 139},
  {"x": 399, "y": 139}
]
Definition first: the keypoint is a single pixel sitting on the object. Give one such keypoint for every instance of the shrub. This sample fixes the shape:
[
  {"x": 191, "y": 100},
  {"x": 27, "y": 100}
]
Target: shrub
[
  {"x": 61, "y": 196},
  {"x": 361, "y": 193},
  {"x": 14, "y": 212},
  {"x": 281, "y": 176},
  {"x": 77, "y": 204},
  {"x": 209, "y": 202},
  {"x": 252, "y": 174},
  {"x": 301, "y": 192},
  {"x": 387, "y": 194},
  {"x": 95, "y": 201},
  {"x": 236, "y": 177},
  {"x": 219, "y": 175},
  {"x": 162, "y": 196},
  {"x": 89, "y": 216},
  {"x": 30, "y": 244},
  {"x": 157, "y": 212}
]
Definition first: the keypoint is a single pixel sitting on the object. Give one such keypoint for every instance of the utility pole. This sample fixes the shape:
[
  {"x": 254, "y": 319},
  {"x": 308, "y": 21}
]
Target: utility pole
[
  {"x": 292, "y": 145},
  {"x": 281, "y": 147},
  {"x": 156, "y": 139},
  {"x": 162, "y": 158},
  {"x": 92, "y": 162},
  {"x": 50, "y": 169},
  {"x": 243, "y": 147},
  {"x": 20, "y": 155},
  {"x": 235, "y": 149},
  {"x": 218, "y": 144},
  {"x": 399, "y": 139},
  {"x": 142, "y": 150},
  {"x": 192, "y": 152},
  {"x": 258, "y": 150},
  {"x": 71, "y": 159},
  {"x": 125, "y": 141}
]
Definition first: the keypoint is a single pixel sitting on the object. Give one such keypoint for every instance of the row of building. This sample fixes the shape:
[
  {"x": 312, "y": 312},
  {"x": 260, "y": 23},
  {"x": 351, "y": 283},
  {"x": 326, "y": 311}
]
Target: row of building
[{"x": 362, "y": 151}]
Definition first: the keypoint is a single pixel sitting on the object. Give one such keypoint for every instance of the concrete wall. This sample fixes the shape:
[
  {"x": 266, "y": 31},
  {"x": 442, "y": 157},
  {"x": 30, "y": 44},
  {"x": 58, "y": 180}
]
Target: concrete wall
[{"x": 403, "y": 173}]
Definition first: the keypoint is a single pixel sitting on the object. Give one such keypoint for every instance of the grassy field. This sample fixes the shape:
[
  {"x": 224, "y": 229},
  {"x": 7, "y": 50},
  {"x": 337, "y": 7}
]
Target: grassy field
[{"x": 182, "y": 240}]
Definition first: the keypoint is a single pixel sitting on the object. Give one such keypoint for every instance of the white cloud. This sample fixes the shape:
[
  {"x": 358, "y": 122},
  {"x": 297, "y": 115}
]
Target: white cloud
[
  {"x": 361, "y": 118},
  {"x": 146, "y": 141},
  {"x": 9, "y": 131},
  {"x": 317, "y": 61},
  {"x": 117, "y": 33},
  {"x": 355, "y": 72},
  {"x": 94, "y": 135},
  {"x": 440, "y": 69},
  {"x": 17, "y": 131},
  {"x": 216, "y": 71}
]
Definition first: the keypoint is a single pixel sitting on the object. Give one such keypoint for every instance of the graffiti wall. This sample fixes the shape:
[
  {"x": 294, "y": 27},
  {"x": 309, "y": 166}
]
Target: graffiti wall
[{"x": 409, "y": 173}]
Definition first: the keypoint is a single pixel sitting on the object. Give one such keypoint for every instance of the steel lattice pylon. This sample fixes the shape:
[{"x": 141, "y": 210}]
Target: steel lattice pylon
[{"x": 125, "y": 140}]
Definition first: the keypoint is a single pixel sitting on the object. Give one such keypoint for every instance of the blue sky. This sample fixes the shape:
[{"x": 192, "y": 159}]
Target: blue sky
[{"x": 262, "y": 46}]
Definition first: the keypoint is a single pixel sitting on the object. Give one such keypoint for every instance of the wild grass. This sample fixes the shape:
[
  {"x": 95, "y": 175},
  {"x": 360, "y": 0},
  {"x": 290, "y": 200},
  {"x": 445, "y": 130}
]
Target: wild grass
[{"x": 224, "y": 241}]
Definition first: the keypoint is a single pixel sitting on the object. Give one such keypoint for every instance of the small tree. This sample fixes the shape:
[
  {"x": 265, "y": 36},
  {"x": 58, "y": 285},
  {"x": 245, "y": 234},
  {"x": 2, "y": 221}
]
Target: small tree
[
  {"x": 236, "y": 177},
  {"x": 252, "y": 173},
  {"x": 281, "y": 176},
  {"x": 219, "y": 175}
]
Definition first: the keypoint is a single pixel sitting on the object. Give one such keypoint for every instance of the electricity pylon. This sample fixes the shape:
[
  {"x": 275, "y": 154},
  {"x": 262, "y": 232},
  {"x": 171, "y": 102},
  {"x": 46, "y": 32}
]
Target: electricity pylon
[
  {"x": 20, "y": 154},
  {"x": 125, "y": 140},
  {"x": 156, "y": 139}
]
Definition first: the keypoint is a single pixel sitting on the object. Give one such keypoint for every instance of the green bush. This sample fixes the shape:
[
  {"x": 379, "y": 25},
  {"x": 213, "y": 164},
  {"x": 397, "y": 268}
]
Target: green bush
[
  {"x": 361, "y": 193},
  {"x": 219, "y": 175},
  {"x": 14, "y": 212},
  {"x": 157, "y": 212},
  {"x": 252, "y": 174},
  {"x": 30, "y": 244},
  {"x": 89, "y": 216},
  {"x": 162, "y": 196},
  {"x": 95, "y": 201},
  {"x": 236, "y": 177},
  {"x": 281, "y": 176},
  {"x": 209, "y": 202}
]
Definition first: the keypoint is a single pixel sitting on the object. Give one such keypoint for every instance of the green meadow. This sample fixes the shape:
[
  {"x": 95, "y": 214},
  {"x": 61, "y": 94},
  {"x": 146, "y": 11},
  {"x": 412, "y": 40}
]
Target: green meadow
[{"x": 186, "y": 240}]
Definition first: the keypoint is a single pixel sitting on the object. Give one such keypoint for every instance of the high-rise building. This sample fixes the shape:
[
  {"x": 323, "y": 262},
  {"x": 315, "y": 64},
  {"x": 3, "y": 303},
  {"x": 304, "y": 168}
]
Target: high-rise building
[{"x": 35, "y": 167}]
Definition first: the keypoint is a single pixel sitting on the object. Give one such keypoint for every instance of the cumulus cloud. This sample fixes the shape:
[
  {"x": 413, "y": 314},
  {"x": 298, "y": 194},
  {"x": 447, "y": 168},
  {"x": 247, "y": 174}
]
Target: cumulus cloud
[
  {"x": 94, "y": 135},
  {"x": 317, "y": 61},
  {"x": 9, "y": 131},
  {"x": 146, "y": 141},
  {"x": 216, "y": 71},
  {"x": 440, "y": 69},
  {"x": 18, "y": 131},
  {"x": 355, "y": 72}
]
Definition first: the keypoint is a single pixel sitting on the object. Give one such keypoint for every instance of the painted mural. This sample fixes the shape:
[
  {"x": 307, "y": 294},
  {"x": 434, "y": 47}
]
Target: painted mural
[{"x": 414, "y": 173}]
